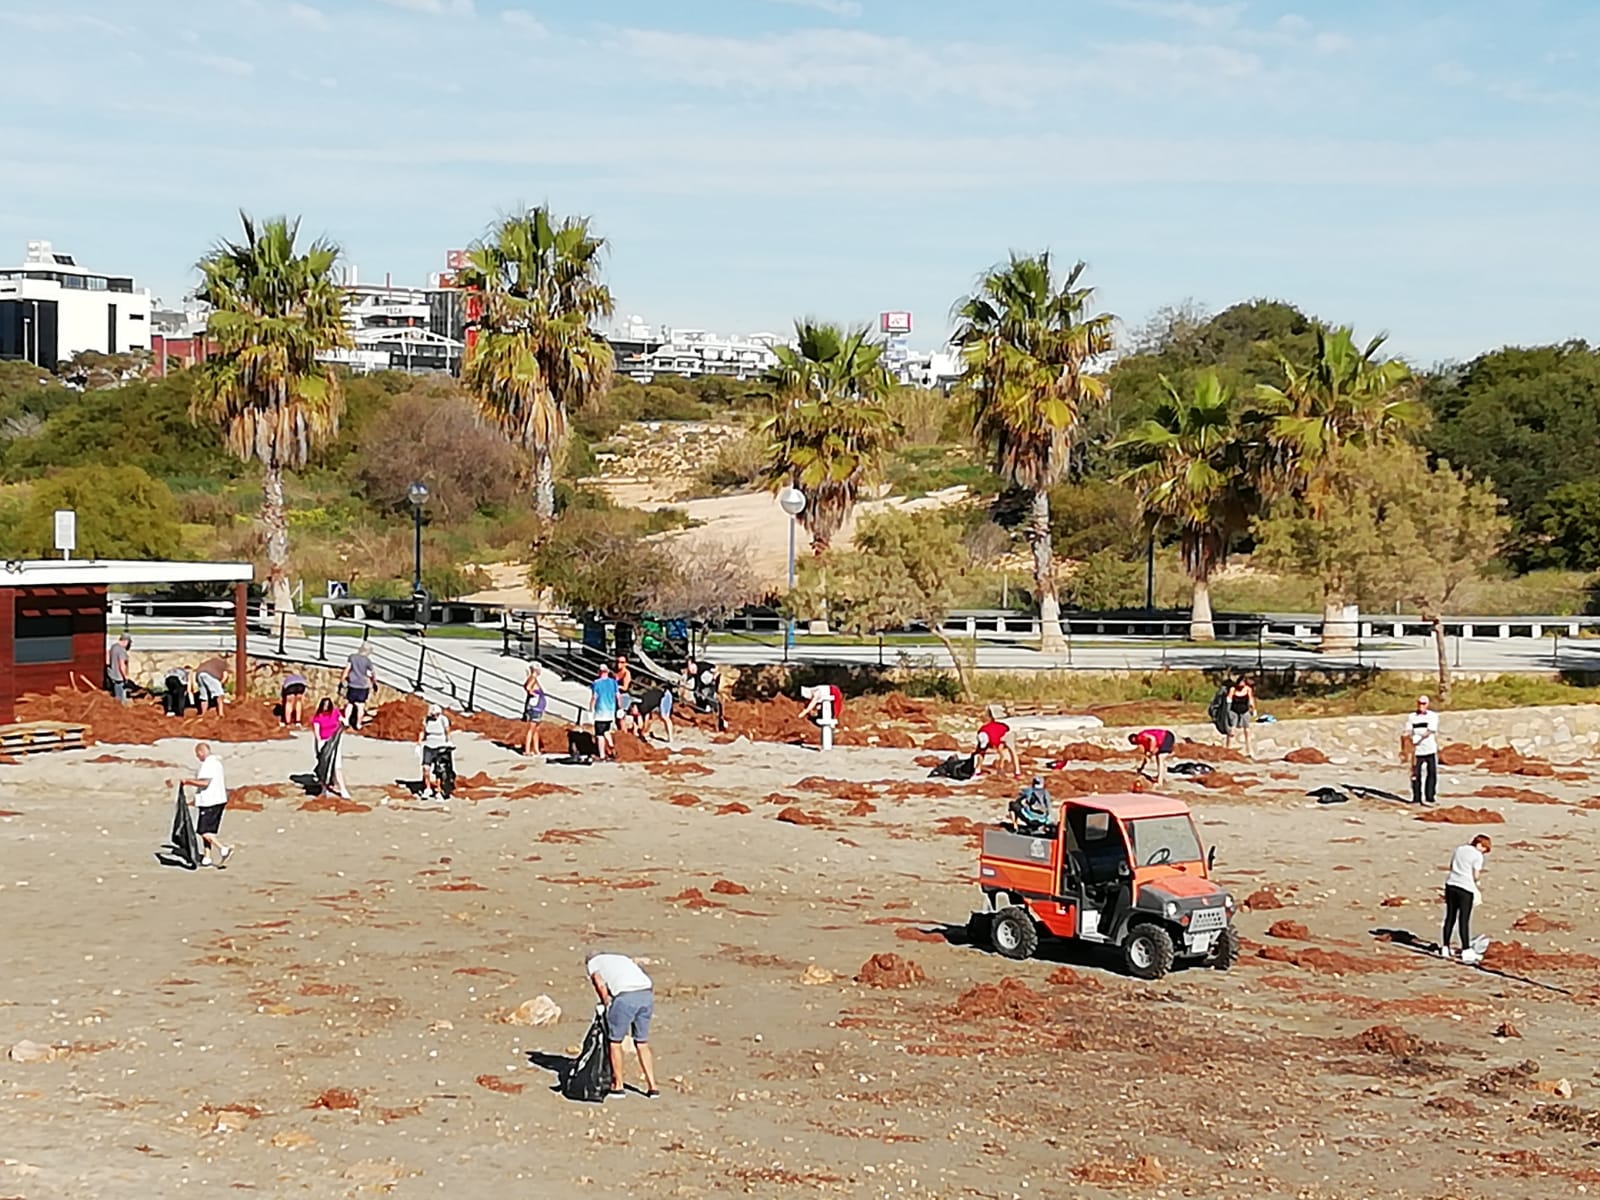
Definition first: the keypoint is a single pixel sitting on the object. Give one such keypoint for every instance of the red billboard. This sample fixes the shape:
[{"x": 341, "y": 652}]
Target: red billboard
[
  {"x": 894, "y": 322},
  {"x": 455, "y": 260}
]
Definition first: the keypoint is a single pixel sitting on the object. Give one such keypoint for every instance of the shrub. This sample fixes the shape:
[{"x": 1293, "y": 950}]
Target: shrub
[
  {"x": 1104, "y": 582},
  {"x": 438, "y": 438},
  {"x": 122, "y": 513},
  {"x": 738, "y": 465}
]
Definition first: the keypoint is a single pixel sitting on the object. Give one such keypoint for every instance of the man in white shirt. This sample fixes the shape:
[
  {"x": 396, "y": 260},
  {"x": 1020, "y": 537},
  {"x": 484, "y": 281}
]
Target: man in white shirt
[
  {"x": 210, "y": 798},
  {"x": 1460, "y": 891},
  {"x": 1420, "y": 742},
  {"x": 629, "y": 999}
]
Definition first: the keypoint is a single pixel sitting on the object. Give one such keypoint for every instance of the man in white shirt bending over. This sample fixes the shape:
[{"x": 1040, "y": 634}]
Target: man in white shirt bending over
[
  {"x": 210, "y": 799},
  {"x": 1420, "y": 742},
  {"x": 629, "y": 999},
  {"x": 1460, "y": 892}
]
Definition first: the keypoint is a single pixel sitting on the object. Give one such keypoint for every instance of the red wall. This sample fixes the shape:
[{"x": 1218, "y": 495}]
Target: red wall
[{"x": 86, "y": 606}]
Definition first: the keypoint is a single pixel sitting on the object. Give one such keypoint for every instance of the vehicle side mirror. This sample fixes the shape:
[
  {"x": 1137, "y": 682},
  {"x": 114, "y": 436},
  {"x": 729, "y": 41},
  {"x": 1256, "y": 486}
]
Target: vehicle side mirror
[{"x": 1211, "y": 858}]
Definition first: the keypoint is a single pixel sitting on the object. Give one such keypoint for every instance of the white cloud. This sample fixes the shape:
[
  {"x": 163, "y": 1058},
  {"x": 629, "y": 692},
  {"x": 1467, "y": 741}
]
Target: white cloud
[
  {"x": 521, "y": 18},
  {"x": 435, "y": 8},
  {"x": 304, "y": 14},
  {"x": 1186, "y": 12},
  {"x": 834, "y": 8},
  {"x": 1332, "y": 43},
  {"x": 833, "y": 60}
]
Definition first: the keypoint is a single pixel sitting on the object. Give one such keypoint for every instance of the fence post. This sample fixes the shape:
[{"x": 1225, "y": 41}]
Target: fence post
[
  {"x": 472, "y": 689},
  {"x": 880, "y": 649},
  {"x": 322, "y": 640},
  {"x": 422, "y": 654},
  {"x": 283, "y": 625},
  {"x": 1261, "y": 634},
  {"x": 1555, "y": 653}
]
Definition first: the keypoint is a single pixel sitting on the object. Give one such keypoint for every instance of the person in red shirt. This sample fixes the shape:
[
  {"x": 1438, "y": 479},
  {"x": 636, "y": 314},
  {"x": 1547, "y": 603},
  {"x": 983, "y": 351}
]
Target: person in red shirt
[
  {"x": 814, "y": 696},
  {"x": 1156, "y": 745},
  {"x": 996, "y": 735}
]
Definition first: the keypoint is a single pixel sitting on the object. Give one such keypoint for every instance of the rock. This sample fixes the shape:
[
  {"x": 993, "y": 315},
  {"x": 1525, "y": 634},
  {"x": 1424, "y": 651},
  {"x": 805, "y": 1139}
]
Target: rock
[
  {"x": 292, "y": 1139},
  {"x": 541, "y": 1010},
  {"x": 815, "y": 976},
  {"x": 32, "y": 1052},
  {"x": 1559, "y": 1088},
  {"x": 1507, "y": 1030}
]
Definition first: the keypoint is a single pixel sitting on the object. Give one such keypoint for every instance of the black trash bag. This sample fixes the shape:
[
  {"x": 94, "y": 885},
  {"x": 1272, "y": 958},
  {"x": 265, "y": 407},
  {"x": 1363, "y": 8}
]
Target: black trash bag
[
  {"x": 1217, "y": 710},
  {"x": 444, "y": 770},
  {"x": 1190, "y": 769},
  {"x": 327, "y": 756},
  {"x": 590, "y": 1079},
  {"x": 183, "y": 849},
  {"x": 955, "y": 767}
]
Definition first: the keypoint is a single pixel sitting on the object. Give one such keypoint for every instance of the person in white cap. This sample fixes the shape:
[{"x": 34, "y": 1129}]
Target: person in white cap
[
  {"x": 435, "y": 740},
  {"x": 1420, "y": 742}
]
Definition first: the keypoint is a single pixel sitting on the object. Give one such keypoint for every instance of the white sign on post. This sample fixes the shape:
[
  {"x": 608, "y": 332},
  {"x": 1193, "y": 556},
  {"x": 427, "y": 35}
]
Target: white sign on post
[{"x": 66, "y": 531}]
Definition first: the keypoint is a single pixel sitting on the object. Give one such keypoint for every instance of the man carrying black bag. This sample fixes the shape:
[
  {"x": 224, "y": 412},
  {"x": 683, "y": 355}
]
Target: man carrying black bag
[{"x": 629, "y": 1000}]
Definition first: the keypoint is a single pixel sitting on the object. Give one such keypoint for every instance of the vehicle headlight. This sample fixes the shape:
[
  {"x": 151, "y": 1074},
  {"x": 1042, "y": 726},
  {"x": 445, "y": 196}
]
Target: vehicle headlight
[
  {"x": 1227, "y": 900},
  {"x": 1172, "y": 908}
]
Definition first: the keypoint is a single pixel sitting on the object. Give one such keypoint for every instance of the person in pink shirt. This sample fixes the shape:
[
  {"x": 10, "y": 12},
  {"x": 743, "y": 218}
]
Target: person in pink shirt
[
  {"x": 327, "y": 727},
  {"x": 1156, "y": 744}
]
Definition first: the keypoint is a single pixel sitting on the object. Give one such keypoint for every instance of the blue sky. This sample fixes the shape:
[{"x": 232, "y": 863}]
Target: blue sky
[{"x": 1422, "y": 166}]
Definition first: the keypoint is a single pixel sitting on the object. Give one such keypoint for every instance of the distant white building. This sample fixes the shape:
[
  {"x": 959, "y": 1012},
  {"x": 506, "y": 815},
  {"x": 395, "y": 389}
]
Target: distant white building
[
  {"x": 396, "y": 329},
  {"x": 643, "y": 352},
  {"x": 51, "y": 309}
]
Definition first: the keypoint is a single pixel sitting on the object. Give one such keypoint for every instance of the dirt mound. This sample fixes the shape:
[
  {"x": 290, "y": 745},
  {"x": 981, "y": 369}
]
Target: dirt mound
[
  {"x": 252, "y": 797},
  {"x": 798, "y": 816},
  {"x": 1097, "y": 781},
  {"x": 910, "y": 933},
  {"x": 1306, "y": 755},
  {"x": 530, "y": 790},
  {"x": 1500, "y": 1080},
  {"x": 692, "y": 898},
  {"x": 684, "y": 800},
  {"x": 726, "y": 887},
  {"x": 837, "y": 789},
  {"x": 958, "y": 827},
  {"x": 1089, "y": 752},
  {"x": 1497, "y": 761},
  {"x": 1456, "y": 814},
  {"x": 677, "y": 770},
  {"x": 397, "y": 720},
  {"x": 1520, "y": 959},
  {"x": 732, "y": 808},
  {"x": 143, "y": 723},
  {"x": 1290, "y": 930},
  {"x": 1067, "y": 977},
  {"x": 1208, "y": 753},
  {"x": 1146, "y": 1169},
  {"x": 895, "y": 739},
  {"x": 861, "y": 808},
  {"x": 941, "y": 741},
  {"x": 890, "y": 971},
  {"x": 1532, "y": 922},
  {"x": 1453, "y": 1106},
  {"x": 1262, "y": 899},
  {"x": 1390, "y": 1040},
  {"x": 1009, "y": 1000},
  {"x": 334, "y": 804},
  {"x": 1331, "y": 962},
  {"x": 1498, "y": 791},
  {"x": 335, "y": 1099},
  {"x": 1221, "y": 781}
]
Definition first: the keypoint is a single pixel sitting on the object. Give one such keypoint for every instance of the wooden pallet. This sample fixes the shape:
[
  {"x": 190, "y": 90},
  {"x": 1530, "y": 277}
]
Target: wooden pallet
[{"x": 35, "y": 737}]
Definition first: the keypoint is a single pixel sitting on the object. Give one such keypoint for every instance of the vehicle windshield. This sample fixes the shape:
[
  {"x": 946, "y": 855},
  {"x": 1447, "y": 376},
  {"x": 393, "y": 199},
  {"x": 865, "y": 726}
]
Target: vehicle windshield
[{"x": 1158, "y": 840}]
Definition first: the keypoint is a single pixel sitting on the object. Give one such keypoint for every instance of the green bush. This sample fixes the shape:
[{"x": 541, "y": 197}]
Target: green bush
[
  {"x": 737, "y": 465},
  {"x": 122, "y": 513},
  {"x": 1104, "y": 582}
]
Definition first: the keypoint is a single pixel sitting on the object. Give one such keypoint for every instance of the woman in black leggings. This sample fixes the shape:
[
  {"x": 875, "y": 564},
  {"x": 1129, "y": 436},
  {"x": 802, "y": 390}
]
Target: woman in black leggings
[{"x": 1460, "y": 890}]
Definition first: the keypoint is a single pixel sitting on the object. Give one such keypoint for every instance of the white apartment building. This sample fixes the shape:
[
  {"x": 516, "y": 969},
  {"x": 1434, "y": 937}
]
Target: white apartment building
[
  {"x": 395, "y": 328},
  {"x": 643, "y": 352},
  {"x": 51, "y": 309}
]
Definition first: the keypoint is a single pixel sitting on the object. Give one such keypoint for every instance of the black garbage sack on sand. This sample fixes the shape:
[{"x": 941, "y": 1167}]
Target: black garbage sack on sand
[
  {"x": 1328, "y": 795},
  {"x": 1190, "y": 769},
  {"x": 327, "y": 756},
  {"x": 955, "y": 767},
  {"x": 183, "y": 848},
  {"x": 590, "y": 1078}
]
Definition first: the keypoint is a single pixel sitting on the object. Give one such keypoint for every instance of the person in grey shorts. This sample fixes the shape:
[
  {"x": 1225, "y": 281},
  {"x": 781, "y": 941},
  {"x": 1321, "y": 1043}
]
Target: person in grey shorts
[
  {"x": 360, "y": 678},
  {"x": 629, "y": 999},
  {"x": 117, "y": 667}
]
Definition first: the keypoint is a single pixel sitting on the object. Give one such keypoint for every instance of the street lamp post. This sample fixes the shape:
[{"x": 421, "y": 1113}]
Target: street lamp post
[
  {"x": 417, "y": 493},
  {"x": 793, "y": 501}
]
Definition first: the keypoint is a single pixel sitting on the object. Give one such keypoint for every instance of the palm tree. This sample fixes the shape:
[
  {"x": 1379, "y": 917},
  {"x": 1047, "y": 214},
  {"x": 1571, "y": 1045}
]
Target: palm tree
[
  {"x": 1347, "y": 396},
  {"x": 1028, "y": 342},
  {"x": 1192, "y": 476},
  {"x": 276, "y": 312},
  {"x": 830, "y": 432},
  {"x": 534, "y": 355}
]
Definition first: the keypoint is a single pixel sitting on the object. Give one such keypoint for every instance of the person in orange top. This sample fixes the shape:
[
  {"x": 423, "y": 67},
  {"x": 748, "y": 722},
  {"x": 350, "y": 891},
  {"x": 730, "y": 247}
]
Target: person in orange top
[
  {"x": 1156, "y": 744},
  {"x": 996, "y": 736}
]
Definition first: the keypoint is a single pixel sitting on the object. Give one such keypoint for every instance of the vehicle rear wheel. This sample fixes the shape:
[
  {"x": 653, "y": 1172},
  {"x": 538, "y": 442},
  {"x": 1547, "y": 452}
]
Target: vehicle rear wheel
[
  {"x": 1148, "y": 952},
  {"x": 1228, "y": 949},
  {"x": 1013, "y": 933}
]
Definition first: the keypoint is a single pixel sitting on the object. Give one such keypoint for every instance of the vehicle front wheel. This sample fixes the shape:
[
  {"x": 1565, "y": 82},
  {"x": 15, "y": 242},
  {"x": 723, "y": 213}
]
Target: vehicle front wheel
[
  {"x": 1228, "y": 949},
  {"x": 1013, "y": 933},
  {"x": 1148, "y": 952}
]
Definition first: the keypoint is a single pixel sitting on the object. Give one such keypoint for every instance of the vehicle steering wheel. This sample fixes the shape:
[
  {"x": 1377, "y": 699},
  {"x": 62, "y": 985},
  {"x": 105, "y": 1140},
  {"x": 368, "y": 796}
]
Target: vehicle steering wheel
[{"x": 1163, "y": 855}]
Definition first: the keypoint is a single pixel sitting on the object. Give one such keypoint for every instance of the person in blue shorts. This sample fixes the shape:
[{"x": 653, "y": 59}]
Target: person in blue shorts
[
  {"x": 603, "y": 696},
  {"x": 629, "y": 999}
]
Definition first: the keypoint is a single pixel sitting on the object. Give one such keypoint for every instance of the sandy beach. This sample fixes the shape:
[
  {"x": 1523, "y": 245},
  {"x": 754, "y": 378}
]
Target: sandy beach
[{"x": 327, "y": 1016}]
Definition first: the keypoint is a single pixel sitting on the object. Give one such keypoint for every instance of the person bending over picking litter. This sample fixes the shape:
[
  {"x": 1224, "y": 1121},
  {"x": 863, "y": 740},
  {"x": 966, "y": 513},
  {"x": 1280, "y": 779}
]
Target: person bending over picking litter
[
  {"x": 814, "y": 696},
  {"x": 629, "y": 1000},
  {"x": 1420, "y": 742},
  {"x": 117, "y": 668},
  {"x": 210, "y": 798},
  {"x": 995, "y": 735},
  {"x": 1460, "y": 891},
  {"x": 1156, "y": 744}
]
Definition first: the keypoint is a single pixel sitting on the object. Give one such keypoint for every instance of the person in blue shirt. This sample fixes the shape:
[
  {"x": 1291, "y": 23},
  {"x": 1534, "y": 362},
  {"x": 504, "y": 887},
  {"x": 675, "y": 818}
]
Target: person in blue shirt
[{"x": 603, "y": 693}]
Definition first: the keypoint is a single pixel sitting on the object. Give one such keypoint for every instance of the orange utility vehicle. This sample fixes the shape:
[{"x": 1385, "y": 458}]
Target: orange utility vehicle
[{"x": 1124, "y": 871}]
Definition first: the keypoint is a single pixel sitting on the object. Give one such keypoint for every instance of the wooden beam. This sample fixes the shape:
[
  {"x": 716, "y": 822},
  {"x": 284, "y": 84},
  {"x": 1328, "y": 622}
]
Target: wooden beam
[{"x": 241, "y": 664}]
